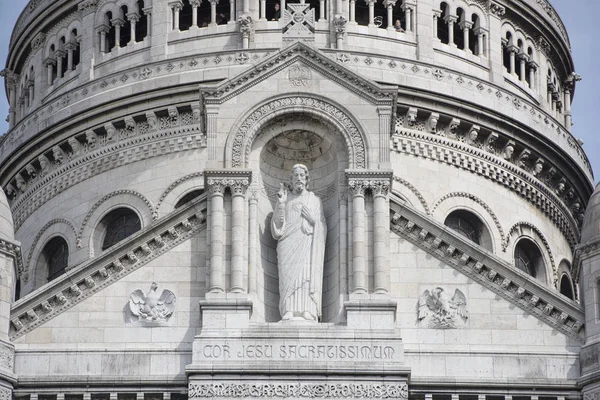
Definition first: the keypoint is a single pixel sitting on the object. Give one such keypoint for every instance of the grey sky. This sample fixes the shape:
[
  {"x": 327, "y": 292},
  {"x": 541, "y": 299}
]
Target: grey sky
[{"x": 579, "y": 16}]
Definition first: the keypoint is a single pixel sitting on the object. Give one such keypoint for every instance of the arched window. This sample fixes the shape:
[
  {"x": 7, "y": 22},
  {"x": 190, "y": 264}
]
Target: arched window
[
  {"x": 528, "y": 258},
  {"x": 118, "y": 225},
  {"x": 459, "y": 38},
  {"x": 442, "y": 24},
  {"x": 110, "y": 37},
  {"x": 141, "y": 27},
  {"x": 185, "y": 16},
  {"x": 566, "y": 287},
  {"x": 56, "y": 257},
  {"x": 189, "y": 197},
  {"x": 506, "y": 44},
  {"x": 470, "y": 226},
  {"x": 473, "y": 42},
  {"x": 125, "y": 31}
]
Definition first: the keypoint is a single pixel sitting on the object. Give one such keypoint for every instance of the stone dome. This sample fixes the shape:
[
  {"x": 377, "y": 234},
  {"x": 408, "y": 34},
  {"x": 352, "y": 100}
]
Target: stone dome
[{"x": 591, "y": 221}]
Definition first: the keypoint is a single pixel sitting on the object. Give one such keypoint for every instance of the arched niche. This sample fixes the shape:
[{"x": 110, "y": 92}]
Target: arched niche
[{"x": 281, "y": 143}]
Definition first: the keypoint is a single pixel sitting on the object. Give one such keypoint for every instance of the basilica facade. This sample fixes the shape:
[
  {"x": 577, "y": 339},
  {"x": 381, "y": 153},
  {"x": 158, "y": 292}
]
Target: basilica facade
[{"x": 439, "y": 237}]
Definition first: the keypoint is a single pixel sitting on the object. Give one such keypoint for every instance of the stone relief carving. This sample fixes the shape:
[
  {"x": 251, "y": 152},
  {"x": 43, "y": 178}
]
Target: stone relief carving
[
  {"x": 298, "y": 224},
  {"x": 298, "y": 21},
  {"x": 437, "y": 310},
  {"x": 7, "y": 356},
  {"x": 151, "y": 307},
  {"x": 303, "y": 390},
  {"x": 299, "y": 75}
]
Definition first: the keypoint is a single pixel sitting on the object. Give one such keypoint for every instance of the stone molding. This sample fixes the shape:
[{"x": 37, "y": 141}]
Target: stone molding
[
  {"x": 378, "y": 181},
  {"x": 238, "y": 181},
  {"x": 26, "y": 270},
  {"x": 95, "y": 159},
  {"x": 488, "y": 270},
  {"x": 172, "y": 187},
  {"x": 239, "y": 145},
  {"x": 415, "y": 191},
  {"x": 491, "y": 167},
  {"x": 583, "y": 252},
  {"x": 514, "y": 230},
  {"x": 476, "y": 200},
  {"x": 298, "y": 390},
  {"x": 83, "y": 281}
]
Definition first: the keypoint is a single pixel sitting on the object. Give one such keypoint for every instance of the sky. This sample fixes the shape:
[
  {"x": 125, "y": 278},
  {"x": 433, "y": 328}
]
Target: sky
[{"x": 579, "y": 16}]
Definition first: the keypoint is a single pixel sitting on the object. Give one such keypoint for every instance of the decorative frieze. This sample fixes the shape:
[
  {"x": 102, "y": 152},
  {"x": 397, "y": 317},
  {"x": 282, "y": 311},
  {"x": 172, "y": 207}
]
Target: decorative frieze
[{"x": 298, "y": 390}]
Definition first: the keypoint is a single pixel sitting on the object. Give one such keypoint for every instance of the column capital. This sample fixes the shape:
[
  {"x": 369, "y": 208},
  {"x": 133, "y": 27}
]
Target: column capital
[
  {"x": 59, "y": 54},
  {"x": 10, "y": 77},
  {"x": 70, "y": 46},
  {"x": 195, "y": 3},
  {"x": 133, "y": 16},
  {"x": 389, "y": 3},
  {"x": 49, "y": 61},
  {"x": 176, "y": 5},
  {"x": 147, "y": 10},
  {"x": 480, "y": 31},
  {"x": 450, "y": 18},
  {"x": 103, "y": 28},
  {"x": 237, "y": 180},
  {"x": 465, "y": 25},
  {"x": 120, "y": 22},
  {"x": 379, "y": 182},
  {"x": 522, "y": 56},
  {"x": 437, "y": 13}
]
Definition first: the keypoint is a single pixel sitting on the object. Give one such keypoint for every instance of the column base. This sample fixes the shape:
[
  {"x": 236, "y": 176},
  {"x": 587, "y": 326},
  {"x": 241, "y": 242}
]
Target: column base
[
  {"x": 225, "y": 311},
  {"x": 374, "y": 311}
]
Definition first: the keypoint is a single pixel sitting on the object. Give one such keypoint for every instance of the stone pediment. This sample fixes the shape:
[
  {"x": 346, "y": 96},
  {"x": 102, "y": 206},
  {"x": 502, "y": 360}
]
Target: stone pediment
[
  {"x": 300, "y": 59},
  {"x": 486, "y": 269}
]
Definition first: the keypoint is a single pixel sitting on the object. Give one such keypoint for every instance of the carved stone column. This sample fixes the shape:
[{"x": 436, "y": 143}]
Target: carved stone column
[
  {"x": 231, "y": 10},
  {"x": 195, "y": 5},
  {"x": 118, "y": 23},
  {"x": 176, "y": 6},
  {"x": 103, "y": 30},
  {"x": 238, "y": 186},
  {"x": 523, "y": 58},
  {"x": 59, "y": 55},
  {"x": 451, "y": 20},
  {"x": 436, "y": 15},
  {"x": 252, "y": 239},
  {"x": 389, "y": 5},
  {"x": 339, "y": 25},
  {"x": 512, "y": 50},
  {"x": 148, "y": 12},
  {"x": 359, "y": 273},
  {"x": 263, "y": 10},
  {"x": 70, "y": 47},
  {"x": 216, "y": 189},
  {"x": 481, "y": 34},
  {"x": 11, "y": 83},
  {"x": 353, "y": 11},
  {"x": 466, "y": 26},
  {"x": 533, "y": 67},
  {"x": 380, "y": 188},
  {"x": 371, "y": 4},
  {"x": 213, "y": 12},
  {"x": 408, "y": 15},
  {"x": 50, "y": 63},
  {"x": 133, "y": 18}
]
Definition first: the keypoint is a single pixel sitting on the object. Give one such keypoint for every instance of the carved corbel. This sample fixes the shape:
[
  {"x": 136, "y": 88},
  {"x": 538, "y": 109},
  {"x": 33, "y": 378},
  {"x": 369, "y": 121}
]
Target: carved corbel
[
  {"x": 561, "y": 186},
  {"x": 31, "y": 171},
  {"x": 44, "y": 164},
  {"x": 453, "y": 126},
  {"x": 508, "y": 150},
  {"x": 152, "y": 120},
  {"x": 58, "y": 154},
  {"x": 490, "y": 142},
  {"x": 497, "y": 10},
  {"x": 118, "y": 21},
  {"x": 130, "y": 124},
  {"x": 550, "y": 175},
  {"x": 111, "y": 132},
  {"x": 538, "y": 167},
  {"x": 38, "y": 41},
  {"x": 523, "y": 158},
  {"x": 10, "y": 191},
  {"x": 432, "y": 122},
  {"x": 91, "y": 138},
  {"x": 196, "y": 113},
  {"x": 473, "y": 135},
  {"x": 75, "y": 147},
  {"x": 20, "y": 183},
  {"x": 173, "y": 114},
  {"x": 411, "y": 117}
]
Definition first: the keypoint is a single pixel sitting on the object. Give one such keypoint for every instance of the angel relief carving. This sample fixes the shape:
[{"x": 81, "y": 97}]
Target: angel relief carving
[
  {"x": 151, "y": 307},
  {"x": 438, "y": 311}
]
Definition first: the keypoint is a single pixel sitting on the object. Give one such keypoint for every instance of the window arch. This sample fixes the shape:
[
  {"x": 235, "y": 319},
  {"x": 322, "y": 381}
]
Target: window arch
[
  {"x": 54, "y": 258},
  {"x": 566, "y": 286},
  {"x": 470, "y": 226},
  {"x": 528, "y": 258},
  {"x": 118, "y": 225},
  {"x": 189, "y": 197},
  {"x": 442, "y": 23}
]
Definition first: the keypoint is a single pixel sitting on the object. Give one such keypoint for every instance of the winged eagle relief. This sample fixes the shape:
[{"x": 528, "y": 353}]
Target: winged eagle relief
[
  {"x": 437, "y": 310},
  {"x": 151, "y": 307}
]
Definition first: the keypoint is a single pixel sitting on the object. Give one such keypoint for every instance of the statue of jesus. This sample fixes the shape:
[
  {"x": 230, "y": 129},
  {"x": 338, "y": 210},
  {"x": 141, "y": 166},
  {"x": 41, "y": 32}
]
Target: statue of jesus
[{"x": 299, "y": 226}]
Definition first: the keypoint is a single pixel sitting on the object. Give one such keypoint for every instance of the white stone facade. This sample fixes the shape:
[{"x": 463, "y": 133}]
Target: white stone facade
[{"x": 149, "y": 138}]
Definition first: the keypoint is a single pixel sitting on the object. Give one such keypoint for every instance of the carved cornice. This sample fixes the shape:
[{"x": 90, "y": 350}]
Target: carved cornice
[
  {"x": 497, "y": 9},
  {"x": 493, "y": 168},
  {"x": 54, "y": 177},
  {"x": 231, "y": 390},
  {"x": 83, "y": 281},
  {"x": 488, "y": 270}
]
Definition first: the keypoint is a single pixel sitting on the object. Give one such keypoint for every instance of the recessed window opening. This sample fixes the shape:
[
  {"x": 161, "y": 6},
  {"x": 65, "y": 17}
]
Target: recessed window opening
[
  {"x": 120, "y": 224},
  {"x": 442, "y": 28},
  {"x": 459, "y": 39},
  {"x": 566, "y": 287},
  {"x": 56, "y": 257},
  {"x": 528, "y": 258},
  {"x": 189, "y": 197}
]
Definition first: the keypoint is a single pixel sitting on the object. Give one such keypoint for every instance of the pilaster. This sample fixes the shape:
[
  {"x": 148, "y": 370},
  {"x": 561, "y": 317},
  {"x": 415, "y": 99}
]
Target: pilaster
[
  {"x": 495, "y": 52},
  {"x": 424, "y": 30}
]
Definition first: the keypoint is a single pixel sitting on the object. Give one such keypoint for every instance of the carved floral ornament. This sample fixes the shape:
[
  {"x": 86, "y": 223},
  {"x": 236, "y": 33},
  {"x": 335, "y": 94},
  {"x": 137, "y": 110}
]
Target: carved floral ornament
[{"x": 301, "y": 390}]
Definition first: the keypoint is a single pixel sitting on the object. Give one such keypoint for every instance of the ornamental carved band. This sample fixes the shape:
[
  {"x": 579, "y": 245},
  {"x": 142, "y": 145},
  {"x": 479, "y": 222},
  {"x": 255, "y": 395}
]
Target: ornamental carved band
[
  {"x": 238, "y": 186},
  {"x": 379, "y": 187},
  {"x": 242, "y": 142},
  {"x": 308, "y": 390}
]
